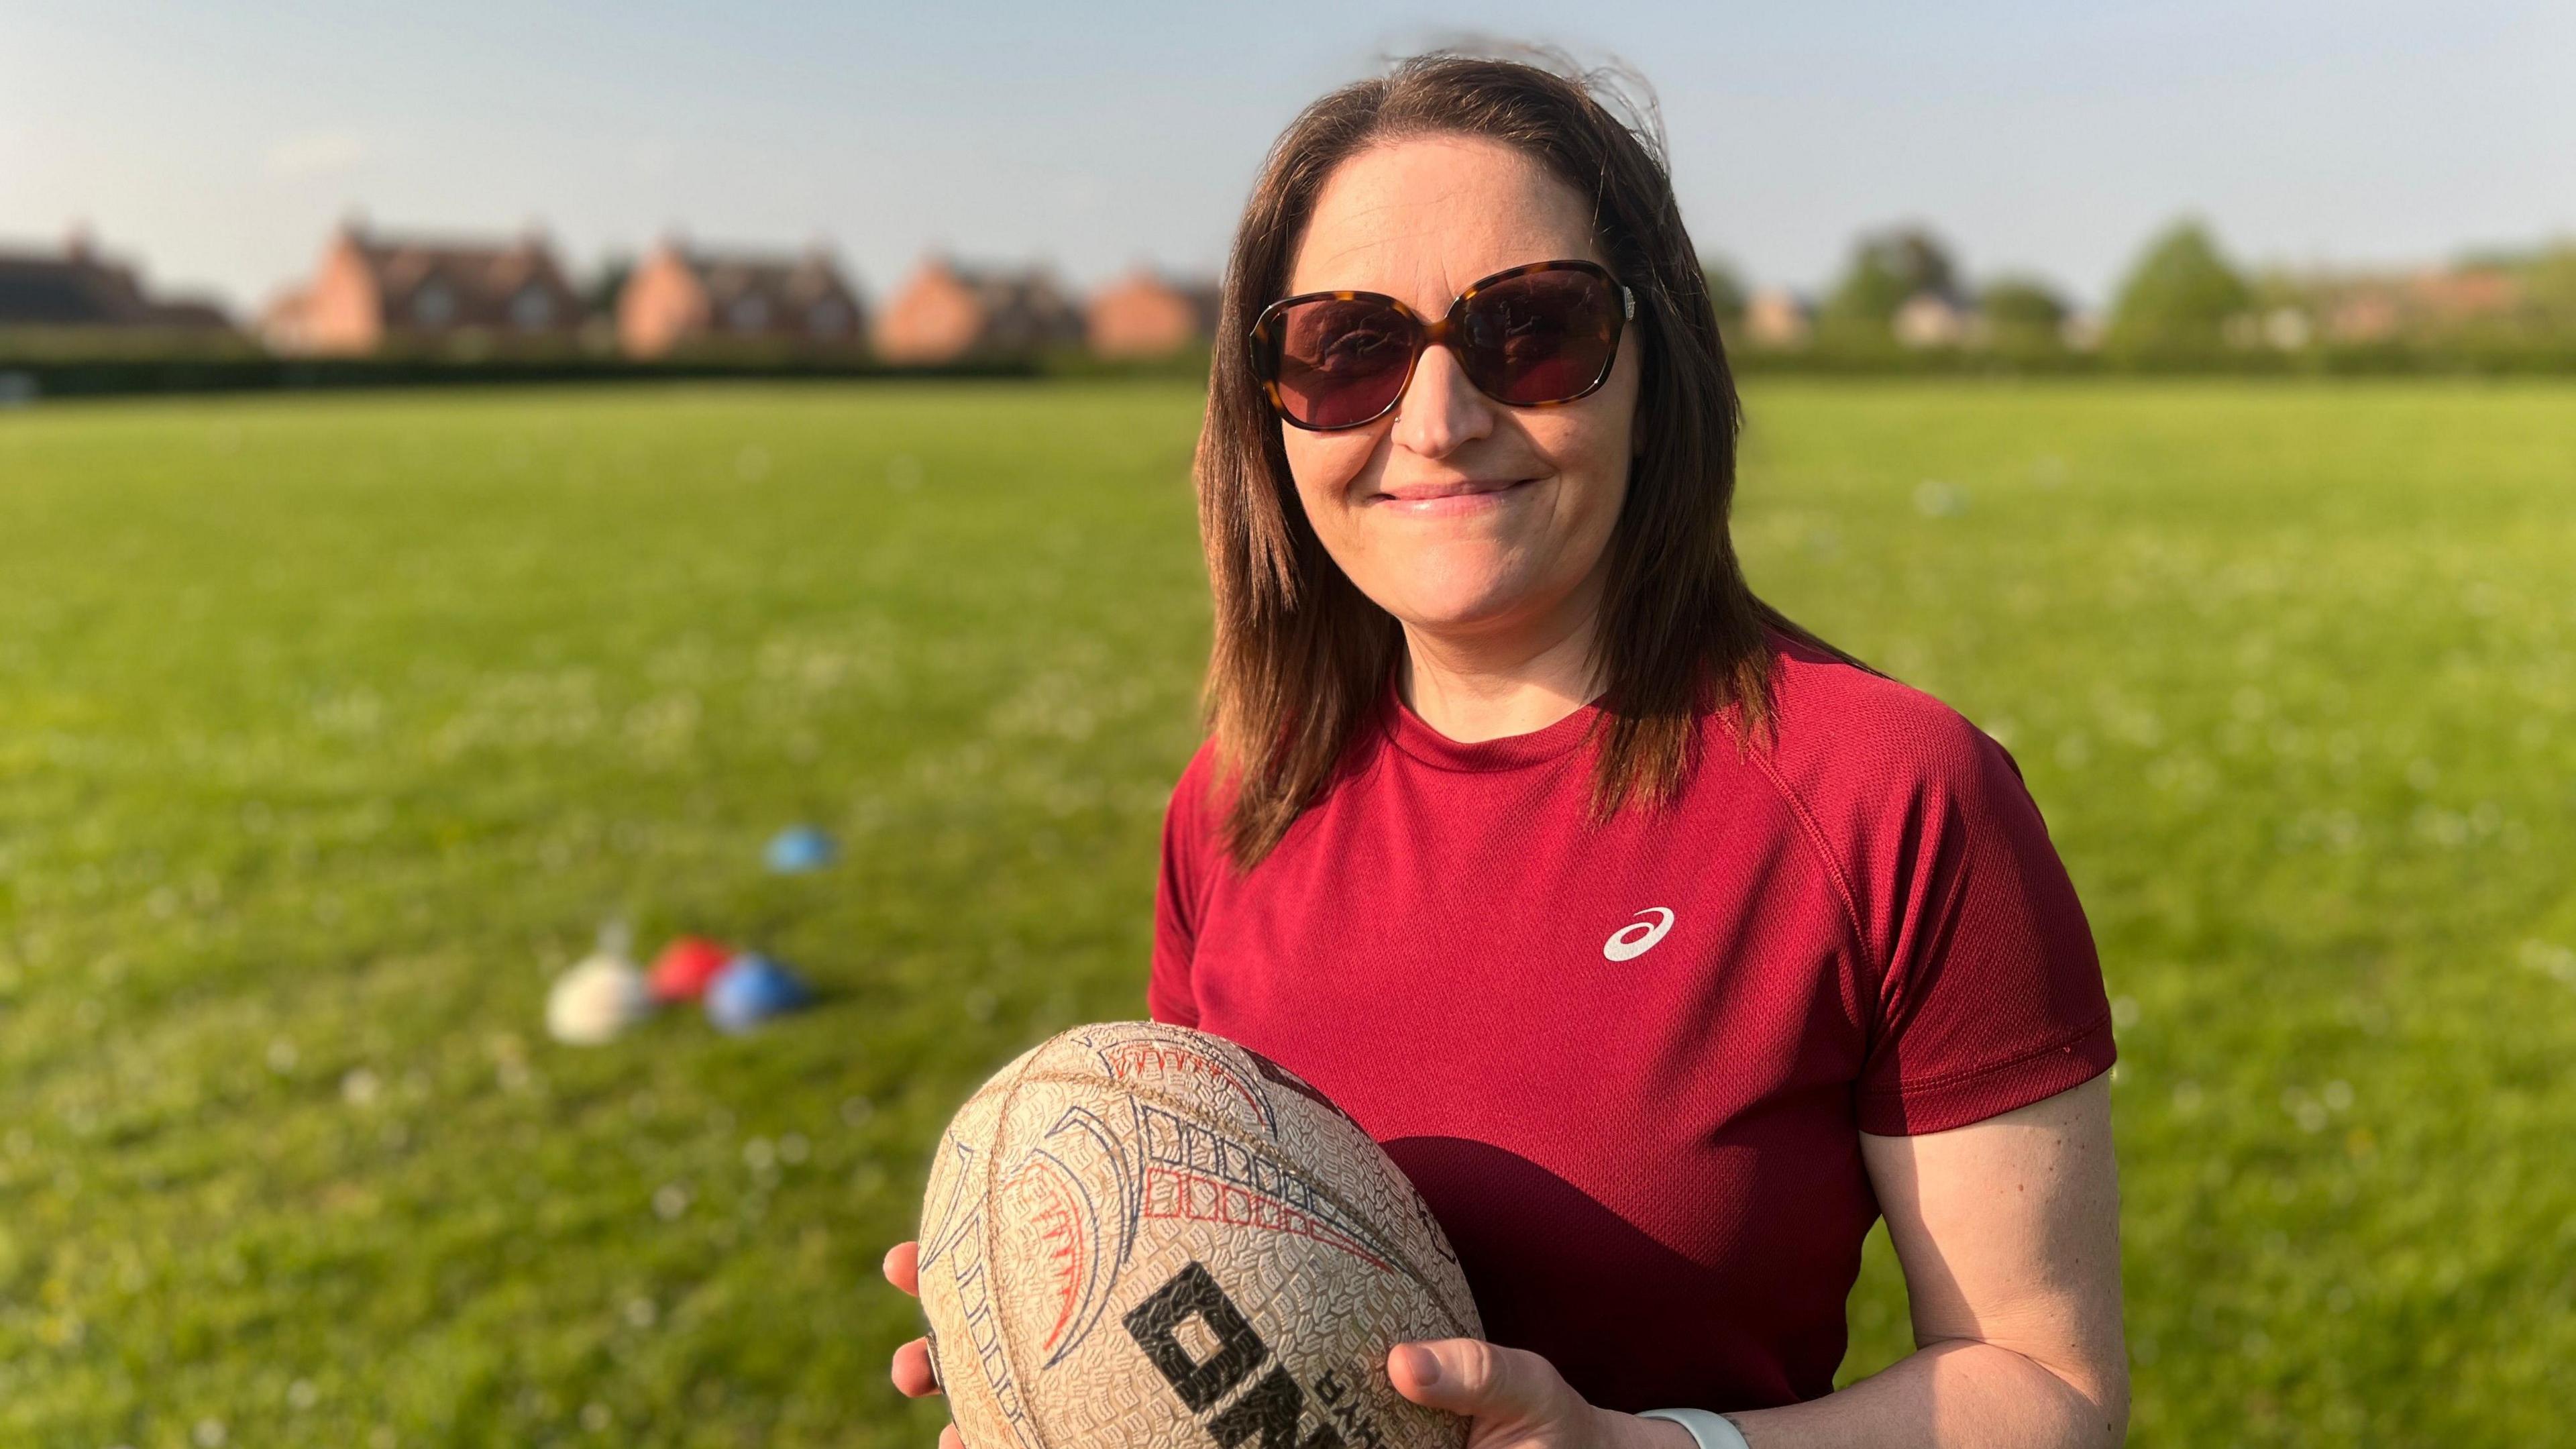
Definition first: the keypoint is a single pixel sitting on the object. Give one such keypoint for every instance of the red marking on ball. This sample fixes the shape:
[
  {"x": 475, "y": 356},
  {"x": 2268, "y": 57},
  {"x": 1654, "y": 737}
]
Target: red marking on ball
[
  {"x": 1173, "y": 1193},
  {"x": 1048, "y": 1202},
  {"x": 1130, "y": 1060}
]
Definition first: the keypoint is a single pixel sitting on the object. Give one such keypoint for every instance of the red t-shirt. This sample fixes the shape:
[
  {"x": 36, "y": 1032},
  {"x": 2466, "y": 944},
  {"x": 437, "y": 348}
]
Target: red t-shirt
[{"x": 1628, "y": 1065}]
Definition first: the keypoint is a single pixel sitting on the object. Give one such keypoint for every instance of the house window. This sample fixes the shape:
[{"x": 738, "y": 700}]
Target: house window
[
  {"x": 433, "y": 305},
  {"x": 532, "y": 310},
  {"x": 749, "y": 314},
  {"x": 827, "y": 319}
]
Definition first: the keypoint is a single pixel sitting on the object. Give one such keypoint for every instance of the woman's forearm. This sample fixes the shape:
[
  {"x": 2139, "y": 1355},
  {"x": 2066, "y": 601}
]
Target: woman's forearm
[{"x": 1959, "y": 1393}]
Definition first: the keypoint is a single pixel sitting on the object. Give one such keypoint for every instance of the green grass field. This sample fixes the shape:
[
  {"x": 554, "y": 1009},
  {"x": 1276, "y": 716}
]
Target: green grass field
[{"x": 330, "y": 728}]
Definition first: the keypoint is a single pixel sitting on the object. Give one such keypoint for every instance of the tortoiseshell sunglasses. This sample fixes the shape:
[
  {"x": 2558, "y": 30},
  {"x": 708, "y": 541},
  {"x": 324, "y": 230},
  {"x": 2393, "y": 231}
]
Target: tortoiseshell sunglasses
[{"x": 1530, "y": 337}]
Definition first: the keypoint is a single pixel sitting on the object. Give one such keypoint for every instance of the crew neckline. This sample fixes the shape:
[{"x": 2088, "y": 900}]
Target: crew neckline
[{"x": 1503, "y": 752}]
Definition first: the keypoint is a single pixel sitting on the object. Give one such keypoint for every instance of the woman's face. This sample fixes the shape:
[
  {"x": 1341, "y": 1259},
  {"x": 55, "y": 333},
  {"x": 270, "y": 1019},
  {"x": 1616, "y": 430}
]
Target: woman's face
[{"x": 1460, "y": 515}]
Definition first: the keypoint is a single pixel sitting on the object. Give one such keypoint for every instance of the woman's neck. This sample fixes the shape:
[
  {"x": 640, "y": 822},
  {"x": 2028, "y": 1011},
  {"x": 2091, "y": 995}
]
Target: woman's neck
[{"x": 1484, "y": 687}]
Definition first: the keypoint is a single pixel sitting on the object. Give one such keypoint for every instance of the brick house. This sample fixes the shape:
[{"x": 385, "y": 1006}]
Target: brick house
[
  {"x": 377, "y": 293},
  {"x": 680, "y": 296},
  {"x": 80, "y": 287},
  {"x": 1930, "y": 319},
  {"x": 1147, "y": 315},
  {"x": 2428, "y": 301},
  {"x": 1777, "y": 317},
  {"x": 946, "y": 312}
]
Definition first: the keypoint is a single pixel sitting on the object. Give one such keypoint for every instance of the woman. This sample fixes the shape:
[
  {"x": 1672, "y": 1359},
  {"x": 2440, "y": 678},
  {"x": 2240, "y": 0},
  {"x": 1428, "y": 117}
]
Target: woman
[{"x": 1664, "y": 947}]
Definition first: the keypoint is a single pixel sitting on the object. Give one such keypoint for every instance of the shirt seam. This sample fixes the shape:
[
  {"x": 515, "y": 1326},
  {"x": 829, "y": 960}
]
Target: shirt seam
[
  {"x": 1395, "y": 737},
  {"x": 1815, "y": 837},
  {"x": 1967, "y": 1074},
  {"x": 1482, "y": 769}
]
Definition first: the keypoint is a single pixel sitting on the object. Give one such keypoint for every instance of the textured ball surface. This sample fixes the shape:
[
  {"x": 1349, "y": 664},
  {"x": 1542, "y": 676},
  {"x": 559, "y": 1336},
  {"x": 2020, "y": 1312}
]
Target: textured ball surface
[{"x": 1147, "y": 1237}]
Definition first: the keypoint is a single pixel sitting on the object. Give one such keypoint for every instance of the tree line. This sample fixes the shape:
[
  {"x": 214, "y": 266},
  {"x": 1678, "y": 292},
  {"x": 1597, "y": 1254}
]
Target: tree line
[{"x": 2183, "y": 304}]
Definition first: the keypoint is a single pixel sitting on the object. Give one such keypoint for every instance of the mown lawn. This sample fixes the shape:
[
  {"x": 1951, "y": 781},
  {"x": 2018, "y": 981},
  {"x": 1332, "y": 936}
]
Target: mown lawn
[{"x": 330, "y": 728}]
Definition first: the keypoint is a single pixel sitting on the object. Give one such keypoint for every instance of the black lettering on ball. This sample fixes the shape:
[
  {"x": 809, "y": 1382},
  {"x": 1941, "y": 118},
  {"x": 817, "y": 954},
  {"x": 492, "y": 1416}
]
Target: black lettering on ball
[
  {"x": 1271, "y": 1409},
  {"x": 1155, "y": 1325}
]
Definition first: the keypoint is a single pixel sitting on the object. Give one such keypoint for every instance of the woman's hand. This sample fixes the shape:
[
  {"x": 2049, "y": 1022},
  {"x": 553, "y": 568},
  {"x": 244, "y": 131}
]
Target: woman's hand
[
  {"x": 912, "y": 1361},
  {"x": 1517, "y": 1399}
]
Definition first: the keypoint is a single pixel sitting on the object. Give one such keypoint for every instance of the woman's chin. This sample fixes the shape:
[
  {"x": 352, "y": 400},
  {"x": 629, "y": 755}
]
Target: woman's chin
[{"x": 1463, "y": 612}]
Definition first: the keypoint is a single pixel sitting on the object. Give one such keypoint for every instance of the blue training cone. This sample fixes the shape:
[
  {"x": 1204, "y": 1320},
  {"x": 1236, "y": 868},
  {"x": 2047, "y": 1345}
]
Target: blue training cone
[
  {"x": 752, "y": 989},
  {"x": 799, "y": 849}
]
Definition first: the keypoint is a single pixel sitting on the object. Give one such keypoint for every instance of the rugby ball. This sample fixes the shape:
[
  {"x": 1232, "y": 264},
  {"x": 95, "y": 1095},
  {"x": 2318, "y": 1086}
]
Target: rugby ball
[
  {"x": 596, "y": 1000},
  {"x": 1139, "y": 1236}
]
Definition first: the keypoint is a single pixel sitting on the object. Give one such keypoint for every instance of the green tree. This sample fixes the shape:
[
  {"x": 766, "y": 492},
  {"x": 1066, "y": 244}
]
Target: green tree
[
  {"x": 2550, "y": 282},
  {"x": 2178, "y": 298},
  {"x": 2023, "y": 314},
  {"x": 600, "y": 293},
  {"x": 1887, "y": 267},
  {"x": 1726, "y": 290}
]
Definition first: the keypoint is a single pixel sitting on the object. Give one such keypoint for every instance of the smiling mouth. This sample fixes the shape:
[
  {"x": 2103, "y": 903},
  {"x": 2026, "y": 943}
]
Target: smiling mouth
[{"x": 1445, "y": 497}]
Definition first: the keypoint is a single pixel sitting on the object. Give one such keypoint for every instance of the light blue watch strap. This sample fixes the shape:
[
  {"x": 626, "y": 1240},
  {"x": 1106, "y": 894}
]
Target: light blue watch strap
[{"x": 1711, "y": 1430}]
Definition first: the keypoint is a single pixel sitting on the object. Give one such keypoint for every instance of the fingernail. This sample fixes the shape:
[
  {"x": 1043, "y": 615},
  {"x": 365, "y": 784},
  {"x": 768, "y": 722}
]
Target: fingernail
[{"x": 1423, "y": 1362}]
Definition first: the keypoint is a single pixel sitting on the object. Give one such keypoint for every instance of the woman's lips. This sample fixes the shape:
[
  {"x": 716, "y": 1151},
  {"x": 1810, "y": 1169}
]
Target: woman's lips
[{"x": 1434, "y": 500}]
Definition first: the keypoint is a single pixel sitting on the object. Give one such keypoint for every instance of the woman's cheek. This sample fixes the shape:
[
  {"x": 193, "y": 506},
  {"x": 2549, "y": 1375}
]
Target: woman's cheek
[{"x": 1324, "y": 469}]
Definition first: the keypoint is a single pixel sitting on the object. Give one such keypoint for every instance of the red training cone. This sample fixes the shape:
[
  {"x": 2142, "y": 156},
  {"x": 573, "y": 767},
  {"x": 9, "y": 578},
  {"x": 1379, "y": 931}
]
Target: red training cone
[{"x": 684, "y": 968}]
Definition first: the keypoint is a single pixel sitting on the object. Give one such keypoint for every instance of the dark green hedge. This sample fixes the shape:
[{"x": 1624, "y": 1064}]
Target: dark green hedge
[
  {"x": 23, "y": 378},
  {"x": 2538, "y": 357},
  {"x": 25, "y": 375}
]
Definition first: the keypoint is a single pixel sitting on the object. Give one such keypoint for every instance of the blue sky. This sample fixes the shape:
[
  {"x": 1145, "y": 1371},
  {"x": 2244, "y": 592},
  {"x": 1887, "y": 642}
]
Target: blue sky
[{"x": 219, "y": 142}]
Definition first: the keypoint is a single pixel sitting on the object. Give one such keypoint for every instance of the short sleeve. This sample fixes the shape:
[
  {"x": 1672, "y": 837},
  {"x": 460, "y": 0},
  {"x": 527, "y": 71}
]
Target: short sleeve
[
  {"x": 1188, "y": 839},
  {"x": 1991, "y": 995}
]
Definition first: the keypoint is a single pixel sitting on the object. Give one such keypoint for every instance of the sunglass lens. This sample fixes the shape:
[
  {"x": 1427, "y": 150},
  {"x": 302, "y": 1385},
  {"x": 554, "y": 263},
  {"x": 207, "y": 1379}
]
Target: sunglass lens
[
  {"x": 1341, "y": 361},
  {"x": 1541, "y": 337}
]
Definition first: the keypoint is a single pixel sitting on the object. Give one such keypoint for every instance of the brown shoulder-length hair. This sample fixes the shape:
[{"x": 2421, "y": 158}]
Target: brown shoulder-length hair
[{"x": 1302, "y": 658}]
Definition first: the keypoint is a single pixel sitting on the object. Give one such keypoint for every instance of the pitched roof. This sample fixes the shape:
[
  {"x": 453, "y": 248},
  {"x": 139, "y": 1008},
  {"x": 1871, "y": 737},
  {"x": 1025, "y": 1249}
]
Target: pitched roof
[
  {"x": 1202, "y": 294},
  {"x": 78, "y": 288},
  {"x": 783, "y": 281},
  {"x": 1023, "y": 306},
  {"x": 481, "y": 280}
]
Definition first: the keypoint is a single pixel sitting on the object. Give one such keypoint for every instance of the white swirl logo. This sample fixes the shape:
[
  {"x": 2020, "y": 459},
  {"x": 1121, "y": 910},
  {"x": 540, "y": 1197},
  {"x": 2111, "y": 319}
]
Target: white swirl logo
[{"x": 1637, "y": 937}]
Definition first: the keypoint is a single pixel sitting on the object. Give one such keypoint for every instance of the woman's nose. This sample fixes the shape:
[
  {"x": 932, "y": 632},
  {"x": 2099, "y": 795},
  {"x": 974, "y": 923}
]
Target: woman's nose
[{"x": 1441, "y": 409}]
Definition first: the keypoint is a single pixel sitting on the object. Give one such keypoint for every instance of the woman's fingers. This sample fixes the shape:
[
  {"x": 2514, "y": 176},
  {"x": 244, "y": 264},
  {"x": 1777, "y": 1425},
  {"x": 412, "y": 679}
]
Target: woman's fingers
[
  {"x": 949, "y": 1438},
  {"x": 912, "y": 1373},
  {"x": 903, "y": 1267},
  {"x": 912, "y": 1369},
  {"x": 1471, "y": 1376}
]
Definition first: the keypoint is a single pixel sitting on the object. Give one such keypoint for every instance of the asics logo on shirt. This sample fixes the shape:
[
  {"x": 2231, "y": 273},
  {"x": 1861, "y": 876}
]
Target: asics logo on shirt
[{"x": 1637, "y": 937}]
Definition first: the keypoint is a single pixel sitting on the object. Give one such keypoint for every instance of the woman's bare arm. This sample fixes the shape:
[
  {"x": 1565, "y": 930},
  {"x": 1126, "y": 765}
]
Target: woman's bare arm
[
  {"x": 2009, "y": 1234},
  {"x": 2008, "y": 1231}
]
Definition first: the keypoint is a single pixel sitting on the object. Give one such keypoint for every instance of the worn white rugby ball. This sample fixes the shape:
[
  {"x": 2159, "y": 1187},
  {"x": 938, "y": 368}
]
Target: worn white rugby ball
[
  {"x": 596, "y": 1000},
  {"x": 1140, "y": 1236}
]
